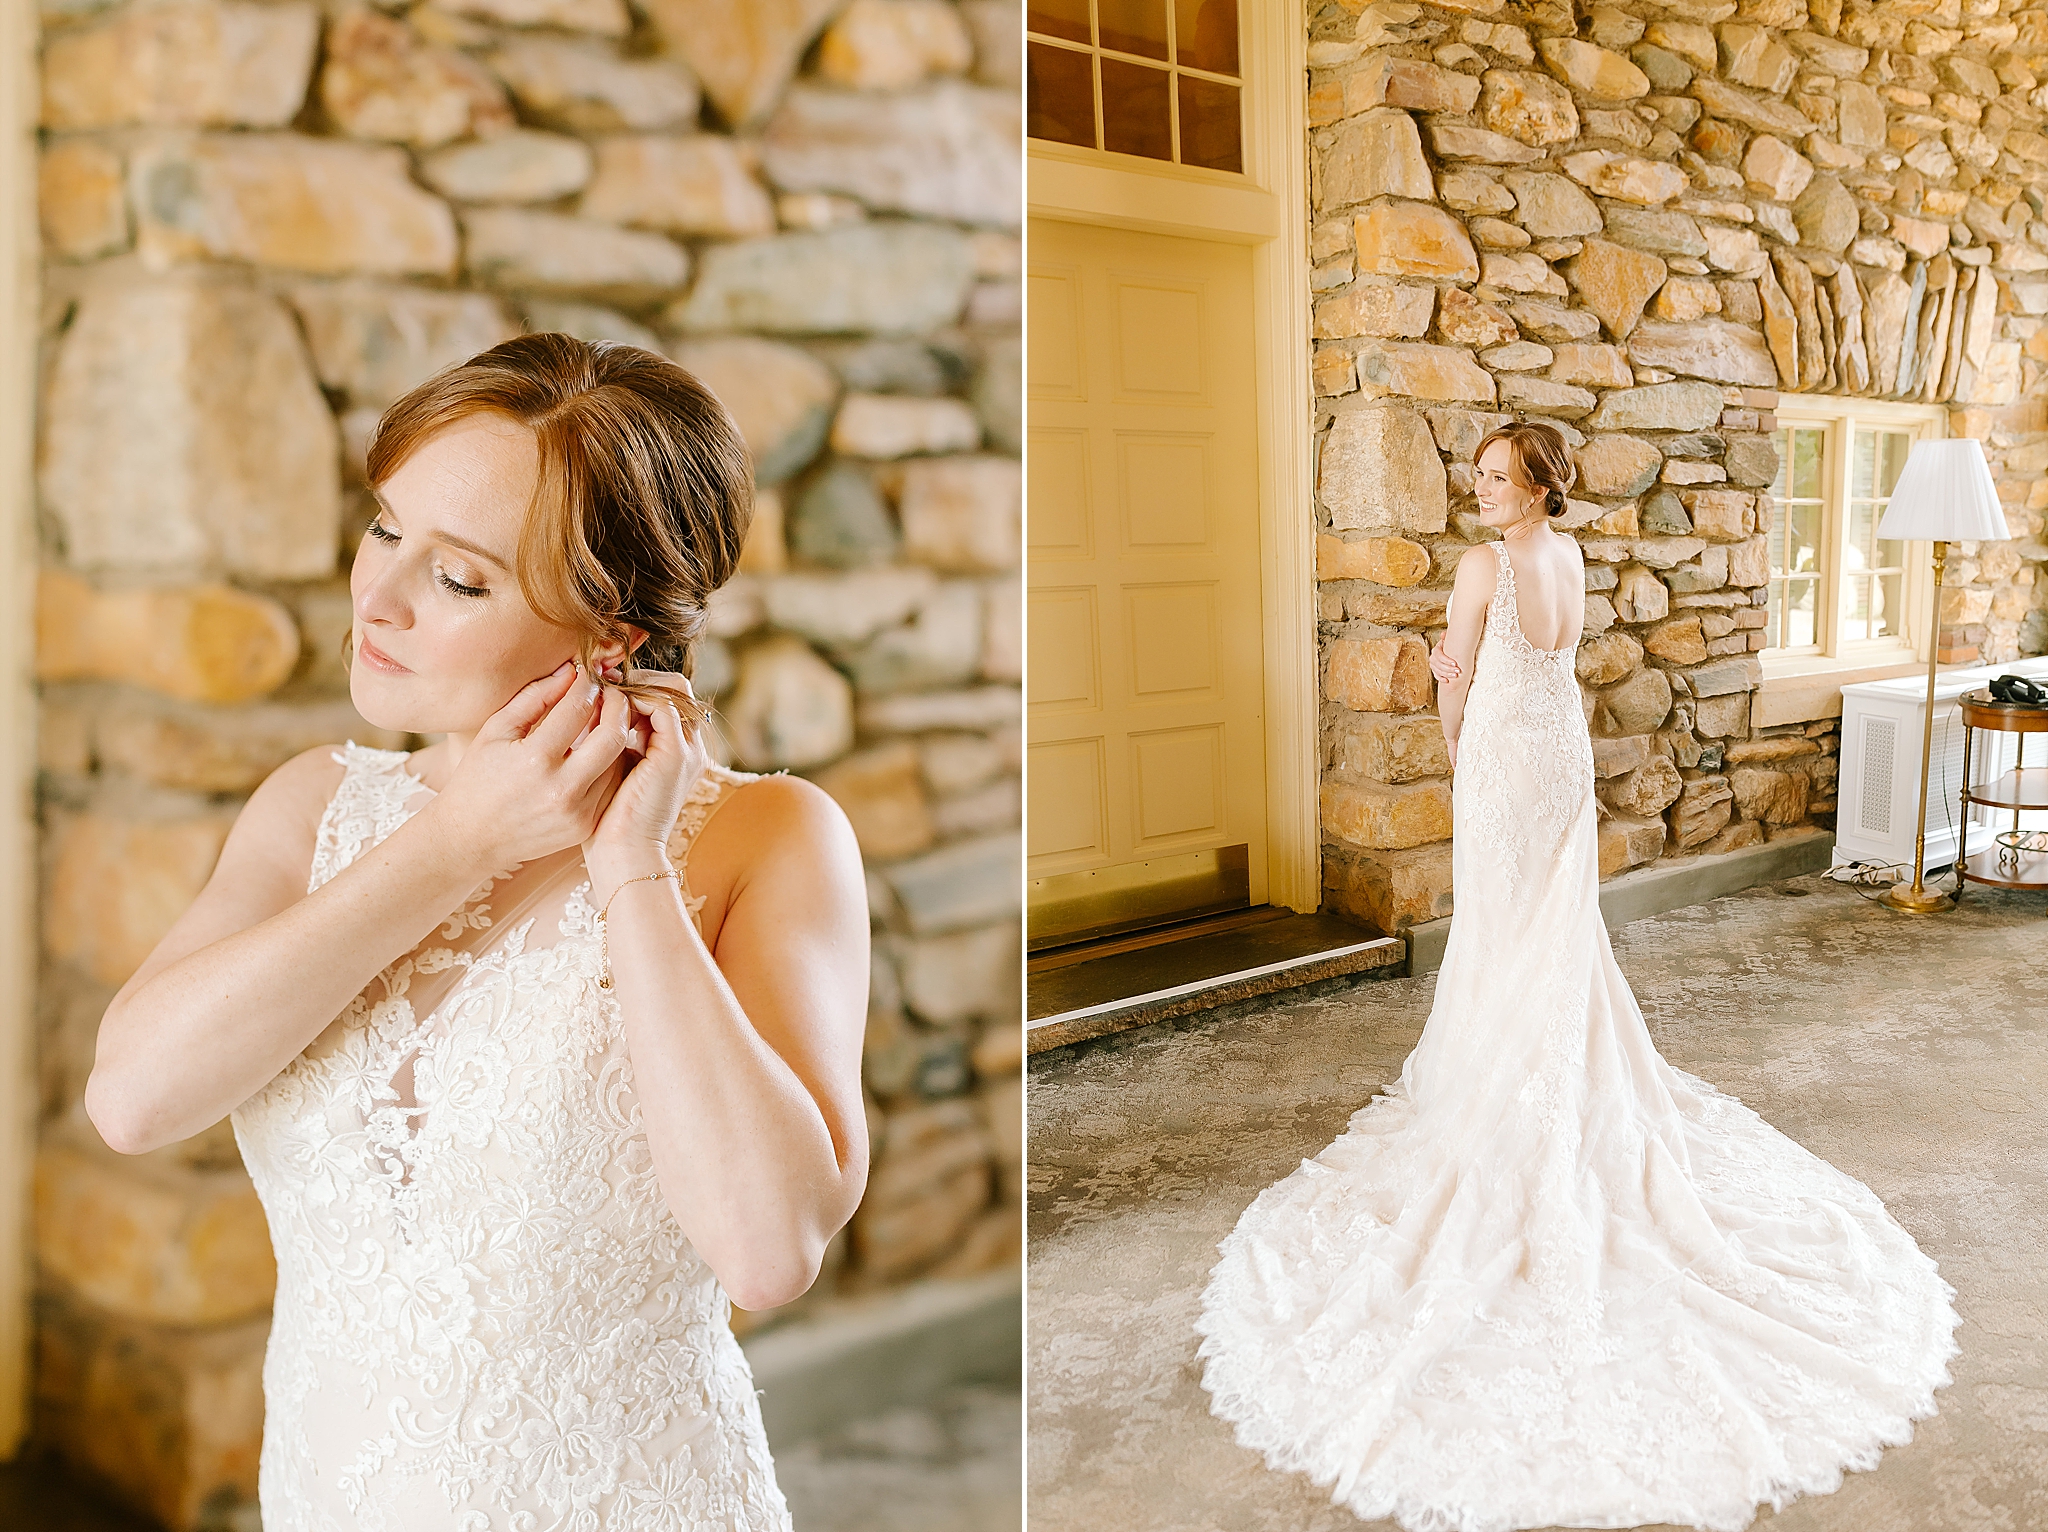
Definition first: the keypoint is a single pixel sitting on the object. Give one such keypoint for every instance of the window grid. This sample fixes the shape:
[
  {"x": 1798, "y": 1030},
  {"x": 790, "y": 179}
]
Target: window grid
[
  {"x": 1798, "y": 545},
  {"x": 1835, "y": 587},
  {"x": 1170, "y": 67}
]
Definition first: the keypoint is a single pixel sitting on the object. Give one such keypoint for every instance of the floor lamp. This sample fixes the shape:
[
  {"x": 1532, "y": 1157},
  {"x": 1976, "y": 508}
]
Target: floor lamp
[{"x": 1944, "y": 495}]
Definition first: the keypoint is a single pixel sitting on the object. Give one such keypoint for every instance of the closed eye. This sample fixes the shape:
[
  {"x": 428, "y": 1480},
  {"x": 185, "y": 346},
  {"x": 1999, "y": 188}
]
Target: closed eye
[{"x": 384, "y": 534}]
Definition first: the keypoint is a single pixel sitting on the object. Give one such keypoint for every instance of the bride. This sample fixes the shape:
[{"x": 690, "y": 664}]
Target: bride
[
  {"x": 540, "y": 1041},
  {"x": 1547, "y": 1278}
]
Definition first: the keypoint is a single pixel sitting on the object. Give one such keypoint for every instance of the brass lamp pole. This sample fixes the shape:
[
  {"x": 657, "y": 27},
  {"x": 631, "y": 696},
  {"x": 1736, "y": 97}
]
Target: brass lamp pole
[
  {"x": 1944, "y": 494},
  {"x": 1918, "y": 900}
]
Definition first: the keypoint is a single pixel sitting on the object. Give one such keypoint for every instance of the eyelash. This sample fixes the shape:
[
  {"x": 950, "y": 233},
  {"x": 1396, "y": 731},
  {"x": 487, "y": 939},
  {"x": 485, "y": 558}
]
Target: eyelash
[{"x": 384, "y": 534}]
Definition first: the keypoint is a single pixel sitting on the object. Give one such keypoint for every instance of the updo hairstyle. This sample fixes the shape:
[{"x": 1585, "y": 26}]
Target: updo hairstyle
[
  {"x": 644, "y": 496},
  {"x": 1540, "y": 459}
]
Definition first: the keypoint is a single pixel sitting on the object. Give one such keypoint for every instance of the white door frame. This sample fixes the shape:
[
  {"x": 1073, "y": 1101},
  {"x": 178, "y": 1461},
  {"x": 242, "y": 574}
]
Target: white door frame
[
  {"x": 22, "y": 250},
  {"x": 1267, "y": 209}
]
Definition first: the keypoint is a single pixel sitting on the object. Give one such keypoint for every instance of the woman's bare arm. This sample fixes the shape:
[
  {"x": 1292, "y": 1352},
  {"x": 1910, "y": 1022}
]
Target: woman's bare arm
[
  {"x": 256, "y": 967},
  {"x": 746, "y": 1060},
  {"x": 1475, "y": 579}
]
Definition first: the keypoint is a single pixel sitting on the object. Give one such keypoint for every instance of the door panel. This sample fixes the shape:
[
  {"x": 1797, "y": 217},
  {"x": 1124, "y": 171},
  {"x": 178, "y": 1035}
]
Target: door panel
[{"x": 1146, "y": 724}]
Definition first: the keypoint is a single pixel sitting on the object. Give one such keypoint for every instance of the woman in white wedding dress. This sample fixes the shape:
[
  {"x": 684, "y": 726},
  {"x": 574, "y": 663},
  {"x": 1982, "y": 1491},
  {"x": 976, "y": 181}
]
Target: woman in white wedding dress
[
  {"x": 1547, "y": 1279},
  {"x": 542, "y": 1040}
]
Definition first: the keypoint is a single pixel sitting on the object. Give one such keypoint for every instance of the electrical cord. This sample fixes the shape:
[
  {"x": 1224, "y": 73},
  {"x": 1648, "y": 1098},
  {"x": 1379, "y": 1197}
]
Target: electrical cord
[{"x": 1861, "y": 874}]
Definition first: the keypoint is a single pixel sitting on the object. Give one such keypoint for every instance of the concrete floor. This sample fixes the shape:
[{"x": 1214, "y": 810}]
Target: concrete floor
[
  {"x": 953, "y": 1465},
  {"x": 38, "y": 1494},
  {"x": 1910, "y": 1051}
]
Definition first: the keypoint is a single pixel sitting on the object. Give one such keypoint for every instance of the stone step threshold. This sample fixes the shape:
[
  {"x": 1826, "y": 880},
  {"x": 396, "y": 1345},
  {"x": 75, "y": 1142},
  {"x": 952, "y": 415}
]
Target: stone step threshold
[
  {"x": 1134, "y": 988},
  {"x": 1326, "y": 946}
]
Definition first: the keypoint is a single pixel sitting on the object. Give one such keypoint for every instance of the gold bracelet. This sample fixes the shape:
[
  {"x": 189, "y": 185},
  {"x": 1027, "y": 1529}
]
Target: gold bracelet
[{"x": 604, "y": 956}]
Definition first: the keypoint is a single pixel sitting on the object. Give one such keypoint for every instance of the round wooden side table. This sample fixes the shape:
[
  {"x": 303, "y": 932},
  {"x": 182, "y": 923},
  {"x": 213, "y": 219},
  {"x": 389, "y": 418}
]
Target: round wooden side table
[{"x": 2024, "y": 787}]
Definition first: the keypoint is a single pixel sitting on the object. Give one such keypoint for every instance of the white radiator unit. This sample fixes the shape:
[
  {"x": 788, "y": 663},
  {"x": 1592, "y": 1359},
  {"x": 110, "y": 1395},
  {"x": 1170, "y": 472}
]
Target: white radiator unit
[{"x": 1877, "y": 807}]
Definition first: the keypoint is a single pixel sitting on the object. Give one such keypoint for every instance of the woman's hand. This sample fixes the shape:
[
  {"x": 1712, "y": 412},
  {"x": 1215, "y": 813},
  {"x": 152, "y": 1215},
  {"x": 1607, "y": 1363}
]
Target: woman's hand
[
  {"x": 536, "y": 777},
  {"x": 1442, "y": 666},
  {"x": 668, "y": 757}
]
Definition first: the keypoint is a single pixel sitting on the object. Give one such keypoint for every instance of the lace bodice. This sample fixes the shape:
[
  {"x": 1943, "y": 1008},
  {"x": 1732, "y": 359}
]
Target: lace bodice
[
  {"x": 1546, "y": 1279},
  {"x": 1525, "y": 761},
  {"x": 486, "y": 1318}
]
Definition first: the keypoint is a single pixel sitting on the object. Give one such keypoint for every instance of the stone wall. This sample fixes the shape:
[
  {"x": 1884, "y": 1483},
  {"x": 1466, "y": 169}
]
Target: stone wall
[
  {"x": 1642, "y": 222},
  {"x": 263, "y": 222}
]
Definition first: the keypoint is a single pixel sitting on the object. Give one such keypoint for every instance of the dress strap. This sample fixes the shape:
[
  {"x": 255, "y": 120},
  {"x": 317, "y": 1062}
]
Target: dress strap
[
  {"x": 703, "y": 799},
  {"x": 372, "y": 799}
]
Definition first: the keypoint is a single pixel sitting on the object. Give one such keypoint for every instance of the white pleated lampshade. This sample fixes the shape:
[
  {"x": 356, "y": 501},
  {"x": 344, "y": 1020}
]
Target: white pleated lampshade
[{"x": 1945, "y": 495}]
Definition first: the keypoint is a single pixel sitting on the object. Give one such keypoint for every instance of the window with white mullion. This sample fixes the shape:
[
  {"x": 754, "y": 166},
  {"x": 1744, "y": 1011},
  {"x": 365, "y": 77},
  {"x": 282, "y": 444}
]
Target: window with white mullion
[
  {"x": 1796, "y": 617},
  {"x": 1873, "y": 568},
  {"x": 1837, "y": 590},
  {"x": 1134, "y": 58},
  {"x": 1156, "y": 79}
]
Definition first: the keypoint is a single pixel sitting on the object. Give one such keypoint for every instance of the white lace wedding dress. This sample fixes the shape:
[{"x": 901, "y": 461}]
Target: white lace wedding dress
[
  {"x": 1546, "y": 1278},
  {"x": 486, "y": 1318}
]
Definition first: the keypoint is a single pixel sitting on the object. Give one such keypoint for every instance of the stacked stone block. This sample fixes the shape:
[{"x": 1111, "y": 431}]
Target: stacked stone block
[
  {"x": 1643, "y": 221},
  {"x": 264, "y": 221}
]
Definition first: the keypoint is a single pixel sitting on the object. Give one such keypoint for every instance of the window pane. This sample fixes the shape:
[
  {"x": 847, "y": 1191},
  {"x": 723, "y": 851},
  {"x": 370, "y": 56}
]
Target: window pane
[
  {"x": 1855, "y": 607},
  {"x": 1891, "y": 554},
  {"x": 1862, "y": 532},
  {"x": 1134, "y": 107},
  {"x": 1870, "y": 607},
  {"x": 1891, "y": 459},
  {"x": 1800, "y": 604},
  {"x": 1880, "y": 456},
  {"x": 1133, "y": 26},
  {"x": 1060, "y": 96},
  {"x": 1205, "y": 37},
  {"x": 1890, "y": 616},
  {"x": 1058, "y": 18},
  {"x": 1807, "y": 444},
  {"x": 1803, "y": 537},
  {"x": 1782, "y": 440},
  {"x": 1209, "y": 125}
]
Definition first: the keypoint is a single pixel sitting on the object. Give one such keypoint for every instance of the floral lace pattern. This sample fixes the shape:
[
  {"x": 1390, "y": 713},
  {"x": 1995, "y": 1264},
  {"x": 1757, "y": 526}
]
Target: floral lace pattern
[
  {"x": 486, "y": 1318},
  {"x": 1546, "y": 1278}
]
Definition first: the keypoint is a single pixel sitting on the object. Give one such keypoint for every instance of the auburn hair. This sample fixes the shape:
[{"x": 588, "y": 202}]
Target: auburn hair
[
  {"x": 644, "y": 496},
  {"x": 1540, "y": 459}
]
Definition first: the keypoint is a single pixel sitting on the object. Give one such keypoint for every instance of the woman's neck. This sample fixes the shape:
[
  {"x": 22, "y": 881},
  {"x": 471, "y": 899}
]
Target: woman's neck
[{"x": 434, "y": 764}]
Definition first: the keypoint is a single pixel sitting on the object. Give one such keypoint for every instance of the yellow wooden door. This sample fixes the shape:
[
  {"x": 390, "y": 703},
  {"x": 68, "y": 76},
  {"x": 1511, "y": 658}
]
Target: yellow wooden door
[{"x": 1146, "y": 736}]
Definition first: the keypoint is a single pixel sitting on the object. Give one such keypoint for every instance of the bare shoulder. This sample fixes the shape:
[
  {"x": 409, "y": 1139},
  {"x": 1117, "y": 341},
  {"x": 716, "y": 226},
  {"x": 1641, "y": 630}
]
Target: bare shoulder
[
  {"x": 291, "y": 800},
  {"x": 789, "y": 842},
  {"x": 770, "y": 817},
  {"x": 1478, "y": 567},
  {"x": 263, "y": 866}
]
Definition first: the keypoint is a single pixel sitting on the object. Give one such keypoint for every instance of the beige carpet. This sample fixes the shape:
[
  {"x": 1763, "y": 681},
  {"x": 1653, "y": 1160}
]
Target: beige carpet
[{"x": 1912, "y": 1052}]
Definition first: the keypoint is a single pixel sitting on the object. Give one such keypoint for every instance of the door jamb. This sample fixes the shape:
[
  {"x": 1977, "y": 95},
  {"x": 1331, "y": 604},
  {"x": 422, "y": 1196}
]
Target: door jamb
[{"x": 19, "y": 110}]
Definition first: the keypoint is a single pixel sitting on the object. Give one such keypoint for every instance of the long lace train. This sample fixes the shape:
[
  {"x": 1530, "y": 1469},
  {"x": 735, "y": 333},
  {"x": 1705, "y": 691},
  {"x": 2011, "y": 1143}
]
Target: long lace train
[{"x": 1547, "y": 1278}]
